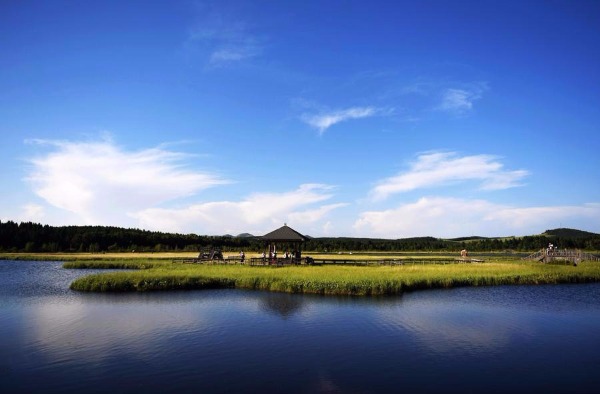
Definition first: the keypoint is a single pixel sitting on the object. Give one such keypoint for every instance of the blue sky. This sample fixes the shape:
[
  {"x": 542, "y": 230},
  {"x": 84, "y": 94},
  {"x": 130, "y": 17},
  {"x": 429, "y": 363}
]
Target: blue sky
[{"x": 384, "y": 119}]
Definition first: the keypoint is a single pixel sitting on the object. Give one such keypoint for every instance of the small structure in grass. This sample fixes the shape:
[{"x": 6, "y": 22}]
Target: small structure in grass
[
  {"x": 208, "y": 254},
  {"x": 464, "y": 257},
  {"x": 291, "y": 241}
]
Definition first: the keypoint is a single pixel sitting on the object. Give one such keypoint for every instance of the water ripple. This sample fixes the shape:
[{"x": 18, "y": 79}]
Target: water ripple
[{"x": 56, "y": 340}]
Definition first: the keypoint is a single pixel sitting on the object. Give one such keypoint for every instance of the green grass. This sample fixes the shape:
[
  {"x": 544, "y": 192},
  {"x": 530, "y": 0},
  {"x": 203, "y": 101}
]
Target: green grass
[{"x": 334, "y": 280}]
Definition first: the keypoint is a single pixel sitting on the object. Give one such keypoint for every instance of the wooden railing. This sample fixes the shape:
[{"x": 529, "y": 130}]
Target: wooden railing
[
  {"x": 572, "y": 255},
  {"x": 282, "y": 261}
]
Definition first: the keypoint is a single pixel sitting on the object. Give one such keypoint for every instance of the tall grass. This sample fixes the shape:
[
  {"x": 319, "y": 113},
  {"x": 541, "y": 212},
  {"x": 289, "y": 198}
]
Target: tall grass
[{"x": 336, "y": 280}]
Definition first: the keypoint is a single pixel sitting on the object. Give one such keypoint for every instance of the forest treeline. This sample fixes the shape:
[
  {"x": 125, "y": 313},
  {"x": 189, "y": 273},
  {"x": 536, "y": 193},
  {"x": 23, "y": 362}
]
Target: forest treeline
[{"x": 33, "y": 237}]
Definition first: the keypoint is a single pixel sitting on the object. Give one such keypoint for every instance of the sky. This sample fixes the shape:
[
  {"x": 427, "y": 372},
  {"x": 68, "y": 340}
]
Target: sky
[{"x": 386, "y": 119}]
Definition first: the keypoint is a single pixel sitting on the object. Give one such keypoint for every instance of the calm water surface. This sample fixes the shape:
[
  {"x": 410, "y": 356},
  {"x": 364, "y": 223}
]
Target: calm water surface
[{"x": 499, "y": 339}]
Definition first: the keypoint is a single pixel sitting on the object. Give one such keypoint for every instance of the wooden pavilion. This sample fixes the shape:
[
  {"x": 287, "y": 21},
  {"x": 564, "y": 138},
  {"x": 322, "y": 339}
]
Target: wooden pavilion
[{"x": 287, "y": 238}]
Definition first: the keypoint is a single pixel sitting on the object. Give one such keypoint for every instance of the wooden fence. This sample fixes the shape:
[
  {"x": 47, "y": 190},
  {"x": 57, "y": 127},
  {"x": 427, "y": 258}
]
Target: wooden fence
[
  {"x": 282, "y": 261},
  {"x": 557, "y": 255}
]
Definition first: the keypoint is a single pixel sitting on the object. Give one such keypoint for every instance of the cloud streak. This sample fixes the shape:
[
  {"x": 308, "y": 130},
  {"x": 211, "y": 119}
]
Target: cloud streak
[
  {"x": 100, "y": 182},
  {"x": 257, "y": 213},
  {"x": 453, "y": 98},
  {"x": 443, "y": 168},
  {"x": 232, "y": 54},
  {"x": 33, "y": 213},
  {"x": 458, "y": 101},
  {"x": 226, "y": 40},
  {"x": 453, "y": 217},
  {"x": 325, "y": 120}
]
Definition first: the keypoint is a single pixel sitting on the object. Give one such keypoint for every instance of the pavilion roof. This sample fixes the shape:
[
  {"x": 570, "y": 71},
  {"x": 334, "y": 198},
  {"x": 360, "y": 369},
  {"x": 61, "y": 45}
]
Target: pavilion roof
[{"x": 285, "y": 234}]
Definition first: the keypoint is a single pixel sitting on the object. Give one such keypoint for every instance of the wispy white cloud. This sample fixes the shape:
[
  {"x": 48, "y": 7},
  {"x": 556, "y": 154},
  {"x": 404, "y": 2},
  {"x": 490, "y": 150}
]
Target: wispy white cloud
[
  {"x": 429, "y": 216},
  {"x": 103, "y": 184},
  {"x": 421, "y": 88},
  {"x": 546, "y": 216},
  {"x": 459, "y": 101},
  {"x": 441, "y": 168},
  {"x": 325, "y": 120},
  {"x": 454, "y": 217},
  {"x": 313, "y": 215},
  {"x": 223, "y": 56},
  {"x": 455, "y": 98},
  {"x": 99, "y": 182},
  {"x": 257, "y": 213},
  {"x": 225, "y": 38},
  {"x": 33, "y": 213}
]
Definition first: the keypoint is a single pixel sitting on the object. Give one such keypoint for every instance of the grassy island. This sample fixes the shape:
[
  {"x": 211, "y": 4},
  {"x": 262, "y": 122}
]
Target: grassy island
[{"x": 149, "y": 275}]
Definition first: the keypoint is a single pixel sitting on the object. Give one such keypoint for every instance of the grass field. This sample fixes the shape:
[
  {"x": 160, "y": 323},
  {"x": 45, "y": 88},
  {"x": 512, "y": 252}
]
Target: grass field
[{"x": 335, "y": 280}]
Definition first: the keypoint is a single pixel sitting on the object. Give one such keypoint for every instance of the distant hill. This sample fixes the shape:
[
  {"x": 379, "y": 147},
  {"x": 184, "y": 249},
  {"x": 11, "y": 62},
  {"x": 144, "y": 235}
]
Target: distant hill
[
  {"x": 461, "y": 239},
  {"x": 568, "y": 233},
  {"x": 245, "y": 235}
]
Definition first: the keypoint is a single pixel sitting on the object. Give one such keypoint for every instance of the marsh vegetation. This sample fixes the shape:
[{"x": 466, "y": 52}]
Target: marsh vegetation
[{"x": 148, "y": 275}]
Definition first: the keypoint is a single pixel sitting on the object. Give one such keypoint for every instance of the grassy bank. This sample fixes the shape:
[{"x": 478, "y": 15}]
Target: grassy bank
[{"x": 335, "y": 280}]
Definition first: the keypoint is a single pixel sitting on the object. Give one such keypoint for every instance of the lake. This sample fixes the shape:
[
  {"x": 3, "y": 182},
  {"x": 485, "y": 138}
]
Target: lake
[{"x": 493, "y": 339}]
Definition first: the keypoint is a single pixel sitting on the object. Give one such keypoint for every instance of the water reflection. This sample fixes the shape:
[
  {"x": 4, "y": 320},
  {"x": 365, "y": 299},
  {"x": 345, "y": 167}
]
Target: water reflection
[
  {"x": 444, "y": 329},
  {"x": 245, "y": 341},
  {"x": 284, "y": 305},
  {"x": 94, "y": 333}
]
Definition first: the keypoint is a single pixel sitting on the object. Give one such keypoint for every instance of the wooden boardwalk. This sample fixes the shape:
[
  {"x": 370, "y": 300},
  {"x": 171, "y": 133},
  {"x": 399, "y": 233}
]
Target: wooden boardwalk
[
  {"x": 393, "y": 261},
  {"x": 573, "y": 256},
  {"x": 198, "y": 260},
  {"x": 282, "y": 262}
]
